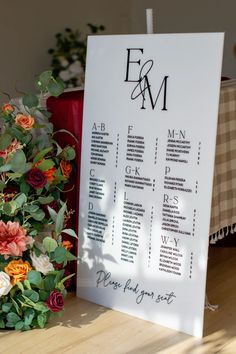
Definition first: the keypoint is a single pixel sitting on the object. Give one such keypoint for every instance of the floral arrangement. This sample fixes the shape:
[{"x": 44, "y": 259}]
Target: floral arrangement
[
  {"x": 33, "y": 172},
  {"x": 68, "y": 58}
]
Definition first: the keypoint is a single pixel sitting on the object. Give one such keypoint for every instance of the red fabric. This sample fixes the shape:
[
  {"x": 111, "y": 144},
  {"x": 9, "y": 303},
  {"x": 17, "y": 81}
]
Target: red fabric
[{"x": 67, "y": 113}]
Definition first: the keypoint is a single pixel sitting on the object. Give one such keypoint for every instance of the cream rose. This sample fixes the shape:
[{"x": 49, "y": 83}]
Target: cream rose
[
  {"x": 5, "y": 284},
  {"x": 24, "y": 121},
  {"x": 42, "y": 263}
]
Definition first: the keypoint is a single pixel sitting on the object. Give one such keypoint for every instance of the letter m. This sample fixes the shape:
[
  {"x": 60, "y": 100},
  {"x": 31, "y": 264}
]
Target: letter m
[{"x": 153, "y": 102}]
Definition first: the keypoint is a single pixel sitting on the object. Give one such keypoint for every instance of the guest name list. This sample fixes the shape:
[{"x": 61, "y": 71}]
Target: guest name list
[{"x": 146, "y": 176}]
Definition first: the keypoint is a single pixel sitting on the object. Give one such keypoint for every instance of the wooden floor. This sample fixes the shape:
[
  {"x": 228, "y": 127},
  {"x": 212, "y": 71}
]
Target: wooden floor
[{"x": 88, "y": 328}]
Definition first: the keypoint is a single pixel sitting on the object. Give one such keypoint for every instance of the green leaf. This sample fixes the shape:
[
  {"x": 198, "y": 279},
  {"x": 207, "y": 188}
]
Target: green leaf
[
  {"x": 30, "y": 101},
  {"x": 10, "y": 208},
  {"x": 60, "y": 254},
  {"x": 24, "y": 187},
  {"x": 55, "y": 87},
  {"x": 37, "y": 226},
  {"x": 49, "y": 244},
  {"x": 33, "y": 233},
  {"x": 41, "y": 154},
  {"x": 39, "y": 126},
  {"x": 27, "y": 302},
  {"x": 60, "y": 82},
  {"x": 2, "y": 323},
  {"x": 41, "y": 307},
  {"x": 37, "y": 251},
  {"x": 42, "y": 319},
  {"x": 59, "y": 149},
  {"x": 18, "y": 161},
  {"x": 49, "y": 282},
  {"x": 47, "y": 186},
  {"x": 19, "y": 325},
  {"x": 20, "y": 199},
  {"x": 27, "y": 284},
  {"x": 45, "y": 165},
  {"x": 13, "y": 318},
  {"x": 20, "y": 286},
  {"x": 70, "y": 232},
  {"x": 38, "y": 215},
  {"x": 26, "y": 328},
  {"x": 69, "y": 153},
  {"x": 59, "y": 276},
  {"x": 28, "y": 166},
  {"x": 44, "y": 112},
  {"x": 6, "y": 307},
  {"x": 14, "y": 175},
  {"x": 2, "y": 185},
  {"x": 34, "y": 277},
  {"x": 39, "y": 191},
  {"x": 60, "y": 219},
  {"x": 29, "y": 316},
  {"x": 43, "y": 295},
  {"x": 15, "y": 304},
  {"x": 45, "y": 200},
  {"x": 66, "y": 278},
  {"x": 5, "y": 168},
  {"x": 44, "y": 78},
  {"x": 70, "y": 257},
  {"x": 52, "y": 213},
  {"x": 32, "y": 295},
  {"x": 5, "y": 141},
  {"x": 31, "y": 208},
  {"x": 17, "y": 133}
]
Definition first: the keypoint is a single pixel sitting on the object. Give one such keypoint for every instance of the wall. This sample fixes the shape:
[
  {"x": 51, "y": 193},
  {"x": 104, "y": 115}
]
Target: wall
[
  {"x": 27, "y": 28},
  {"x": 191, "y": 16}
]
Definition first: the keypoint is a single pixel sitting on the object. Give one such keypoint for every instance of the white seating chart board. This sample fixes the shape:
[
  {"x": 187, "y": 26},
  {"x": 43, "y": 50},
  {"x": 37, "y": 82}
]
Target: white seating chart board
[{"x": 149, "y": 133}]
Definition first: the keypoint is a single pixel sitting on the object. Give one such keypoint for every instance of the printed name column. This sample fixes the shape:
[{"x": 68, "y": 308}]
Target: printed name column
[
  {"x": 134, "y": 181},
  {"x": 178, "y": 223},
  {"x": 101, "y": 147}
]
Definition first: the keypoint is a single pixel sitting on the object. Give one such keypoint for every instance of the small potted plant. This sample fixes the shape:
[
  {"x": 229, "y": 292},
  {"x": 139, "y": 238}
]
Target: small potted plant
[{"x": 69, "y": 55}]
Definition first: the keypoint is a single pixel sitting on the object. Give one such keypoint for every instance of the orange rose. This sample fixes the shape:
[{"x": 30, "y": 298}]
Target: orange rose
[
  {"x": 67, "y": 245},
  {"x": 66, "y": 168},
  {"x": 7, "y": 108},
  {"x": 17, "y": 270},
  {"x": 25, "y": 122},
  {"x": 49, "y": 174}
]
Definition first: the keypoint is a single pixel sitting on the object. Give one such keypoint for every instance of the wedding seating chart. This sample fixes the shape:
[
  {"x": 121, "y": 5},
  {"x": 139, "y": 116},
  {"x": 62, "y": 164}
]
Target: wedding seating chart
[{"x": 149, "y": 132}]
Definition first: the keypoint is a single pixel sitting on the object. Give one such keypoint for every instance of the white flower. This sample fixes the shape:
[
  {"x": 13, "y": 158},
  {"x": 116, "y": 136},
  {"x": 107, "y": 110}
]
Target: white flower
[
  {"x": 30, "y": 242},
  {"x": 63, "y": 61},
  {"x": 42, "y": 263},
  {"x": 5, "y": 284},
  {"x": 65, "y": 75},
  {"x": 76, "y": 68}
]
